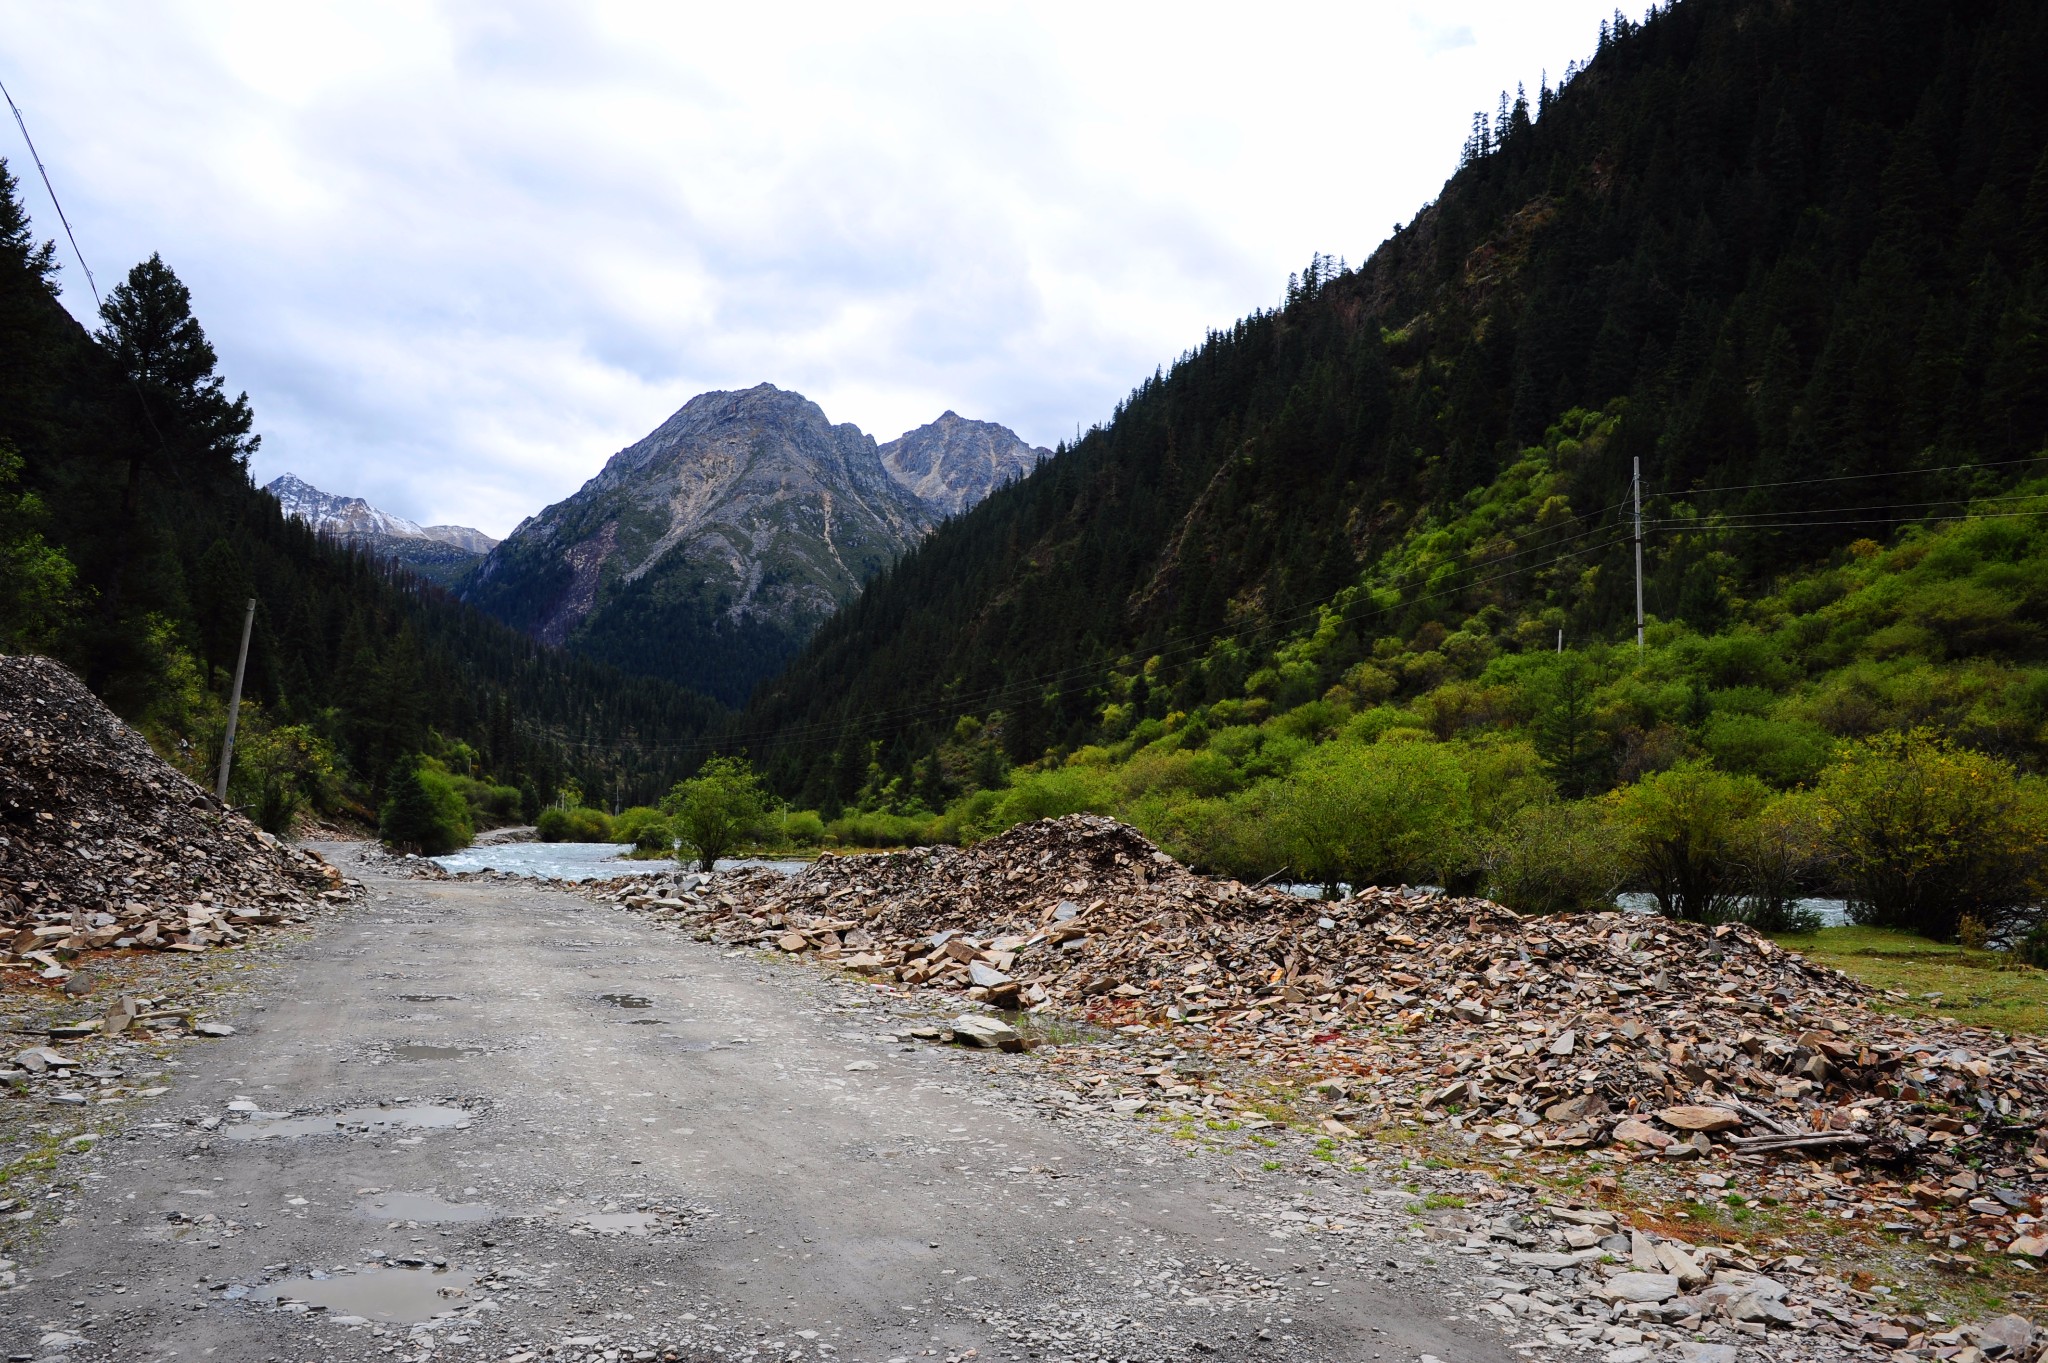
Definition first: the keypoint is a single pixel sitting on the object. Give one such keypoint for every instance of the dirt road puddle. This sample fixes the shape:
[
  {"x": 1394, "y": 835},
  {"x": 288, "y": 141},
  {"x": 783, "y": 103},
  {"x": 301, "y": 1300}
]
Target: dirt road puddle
[
  {"x": 392, "y": 1295},
  {"x": 620, "y": 1223},
  {"x": 354, "y": 1121},
  {"x": 422, "y": 1051},
  {"x": 430, "y": 998},
  {"x": 627, "y": 1000},
  {"x": 423, "y": 1207}
]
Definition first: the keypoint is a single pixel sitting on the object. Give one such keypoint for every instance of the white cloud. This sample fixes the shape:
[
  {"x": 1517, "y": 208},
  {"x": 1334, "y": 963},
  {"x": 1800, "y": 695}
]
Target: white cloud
[{"x": 459, "y": 254}]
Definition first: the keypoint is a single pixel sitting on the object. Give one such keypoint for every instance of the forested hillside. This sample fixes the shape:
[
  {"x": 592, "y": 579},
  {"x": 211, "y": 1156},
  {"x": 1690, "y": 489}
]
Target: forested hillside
[
  {"x": 1790, "y": 256},
  {"x": 132, "y": 537},
  {"x": 1799, "y": 251}
]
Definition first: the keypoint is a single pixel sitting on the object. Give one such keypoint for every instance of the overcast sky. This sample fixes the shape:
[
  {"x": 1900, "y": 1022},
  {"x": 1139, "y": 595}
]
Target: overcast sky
[{"x": 459, "y": 254}]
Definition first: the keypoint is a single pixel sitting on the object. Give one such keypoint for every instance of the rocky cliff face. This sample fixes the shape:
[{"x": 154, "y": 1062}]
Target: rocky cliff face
[
  {"x": 708, "y": 552},
  {"x": 442, "y": 552},
  {"x": 952, "y": 463}
]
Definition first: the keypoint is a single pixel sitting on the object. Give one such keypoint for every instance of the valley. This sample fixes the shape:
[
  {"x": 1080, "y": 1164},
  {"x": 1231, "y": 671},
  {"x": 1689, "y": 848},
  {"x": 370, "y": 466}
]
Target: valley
[{"x": 1319, "y": 866}]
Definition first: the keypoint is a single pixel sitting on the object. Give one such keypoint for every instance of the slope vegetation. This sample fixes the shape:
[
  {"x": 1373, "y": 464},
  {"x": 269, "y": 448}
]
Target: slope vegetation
[{"x": 1793, "y": 257}]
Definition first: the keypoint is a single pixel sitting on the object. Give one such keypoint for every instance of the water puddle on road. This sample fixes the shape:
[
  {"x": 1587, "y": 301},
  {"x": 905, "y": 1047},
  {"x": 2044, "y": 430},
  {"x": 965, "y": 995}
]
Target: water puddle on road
[
  {"x": 421, "y": 1207},
  {"x": 620, "y": 1223},
  {"x": 392, "y": 1295},
  {"x": 430, "y": 998},
  {"x": 627, "y": 1000},
  {"x": 354, "y": 1121},
  {"x": 421, "y": 1051}
]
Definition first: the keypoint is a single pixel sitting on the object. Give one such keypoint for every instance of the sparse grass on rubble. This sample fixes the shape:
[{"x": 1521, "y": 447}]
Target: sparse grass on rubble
[{"x": 1976, "y": 988}]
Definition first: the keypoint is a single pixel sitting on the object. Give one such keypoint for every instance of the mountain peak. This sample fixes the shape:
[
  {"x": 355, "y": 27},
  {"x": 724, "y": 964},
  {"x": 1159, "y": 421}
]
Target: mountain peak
[
  {"x": 439, "y": 551},
  {"x": 708, "y": 551},
  {"x": 952, "y": 463}
]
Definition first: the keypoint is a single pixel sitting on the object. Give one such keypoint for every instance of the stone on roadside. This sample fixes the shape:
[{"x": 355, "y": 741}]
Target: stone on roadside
[
  {"x": 1636, "y": 1131},
  {"x": 1649, "y": 1288},
  {"x": 1699, "y": 1117},
  {"x": 993, "y": 1033},
  {"x": 985, "y": 975}
]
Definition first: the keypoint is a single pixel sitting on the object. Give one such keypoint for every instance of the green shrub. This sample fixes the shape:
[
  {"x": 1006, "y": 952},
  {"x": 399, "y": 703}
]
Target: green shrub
[
  {"x": 488, "y": 804},
  {"x": 881, "y": 829},
  {"x": 1678, "y": 831},
  {"x": 1923, "y": 833},
  {"x": 1383, "y": 814},
  {"x": 715, "y": 810},
  {"x": 423, "y": 812},
  {"x": 1784, "y": 752},
  {"x": 1554, "y": 857},
  {"x": 803, "y": 828},
  {"x": 1778, "y": 853},
  {"x": 646, "y": 827},
  {"x": 577, "y": 824},
  {"x": 1233, "y": 835},
  {"x": 279, "y": 771},
  {"x": 2033, "y": 948}
]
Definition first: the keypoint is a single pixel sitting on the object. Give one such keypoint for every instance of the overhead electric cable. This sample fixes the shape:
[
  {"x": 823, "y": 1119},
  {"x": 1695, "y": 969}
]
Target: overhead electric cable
[{"x": 51, "y": 189}]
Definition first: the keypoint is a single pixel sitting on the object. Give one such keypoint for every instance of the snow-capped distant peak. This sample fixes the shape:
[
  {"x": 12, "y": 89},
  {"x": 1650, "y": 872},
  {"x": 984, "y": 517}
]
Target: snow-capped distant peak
[{"x": 355, "y": 520}]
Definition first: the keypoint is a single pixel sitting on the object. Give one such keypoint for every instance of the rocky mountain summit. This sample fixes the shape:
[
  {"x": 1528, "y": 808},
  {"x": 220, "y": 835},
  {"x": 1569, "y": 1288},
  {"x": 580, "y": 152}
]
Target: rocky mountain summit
[
  {"x": 442, "y": 552},
  {"x": 709, "y": 551},
  {"x": 952, "y": 463}
]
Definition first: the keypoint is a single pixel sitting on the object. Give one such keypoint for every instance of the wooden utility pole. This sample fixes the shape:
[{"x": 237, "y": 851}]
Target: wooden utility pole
[
  {"x": 1638, "y": 487},
  {"x": 227, "y": 747}
]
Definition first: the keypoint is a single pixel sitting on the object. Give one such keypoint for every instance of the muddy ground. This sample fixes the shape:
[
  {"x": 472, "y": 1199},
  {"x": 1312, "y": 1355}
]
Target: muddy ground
[{"x": 471, "y": 1120}]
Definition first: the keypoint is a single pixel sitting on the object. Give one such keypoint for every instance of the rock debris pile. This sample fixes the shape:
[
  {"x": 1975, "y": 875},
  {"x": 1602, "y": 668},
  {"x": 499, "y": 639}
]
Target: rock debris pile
[
  {"x": 1649, "y": 1039},
  {"x": 1582, "y": 1276},
  {"x": 105, "y": 846}
]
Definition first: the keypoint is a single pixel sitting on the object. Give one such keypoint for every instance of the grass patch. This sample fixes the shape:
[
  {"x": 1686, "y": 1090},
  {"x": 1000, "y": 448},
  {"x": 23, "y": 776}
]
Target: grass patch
[
  {"x": 1976, "y": 988},
  {"x": 40, "y": 1158}
]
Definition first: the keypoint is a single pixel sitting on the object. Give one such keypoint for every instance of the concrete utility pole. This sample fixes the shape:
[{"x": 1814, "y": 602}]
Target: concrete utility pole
[
  {"x": 1638, "y": 485},
  {"x": 227, "y": 747}
]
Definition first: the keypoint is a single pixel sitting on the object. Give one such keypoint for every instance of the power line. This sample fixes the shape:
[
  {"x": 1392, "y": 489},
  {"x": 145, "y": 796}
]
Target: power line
[
  {"x": 37, "y": 157},
  {"x": 1858, "y": 477}
]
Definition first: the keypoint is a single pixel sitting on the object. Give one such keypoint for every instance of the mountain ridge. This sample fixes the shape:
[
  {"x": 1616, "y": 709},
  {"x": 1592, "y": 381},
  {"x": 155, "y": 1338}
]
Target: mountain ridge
[
  {"x": 707, "y": 551},
  {"x": 1783, "y": 247},
  {"x": 441, "y": 552}
]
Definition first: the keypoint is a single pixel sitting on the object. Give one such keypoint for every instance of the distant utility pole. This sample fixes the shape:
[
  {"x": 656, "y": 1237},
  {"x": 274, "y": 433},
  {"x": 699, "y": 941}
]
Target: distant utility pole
[
  {"x": 227, "y": 747},
  {"x": 1638, "y": 488}
]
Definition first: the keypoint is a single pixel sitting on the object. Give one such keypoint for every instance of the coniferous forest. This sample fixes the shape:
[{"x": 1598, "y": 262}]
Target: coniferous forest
[{"x": 1791, "y": 259}]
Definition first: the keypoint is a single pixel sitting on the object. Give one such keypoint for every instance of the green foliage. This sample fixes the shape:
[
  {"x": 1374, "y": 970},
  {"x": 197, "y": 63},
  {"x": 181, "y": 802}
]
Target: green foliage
[
  {"x": 1779, "y": 855},
  {"x": 576, "y": 823},
  {"x": 881, "y": 829},
  {"x": 1924, "y": 833},
  {"x": 1392, "y": 812},
  {"x": 37, "y": 582},
  {"x": 423, "y": 811},
  {"x": 716, "y": 809},
  {"x": 801, "y": 828},
  {"x": 1553, "y": 857},
  {"x": 280, "y": 770},
  {"x": 1679, "y": 831},
  {"x": 647, "y": 828}
]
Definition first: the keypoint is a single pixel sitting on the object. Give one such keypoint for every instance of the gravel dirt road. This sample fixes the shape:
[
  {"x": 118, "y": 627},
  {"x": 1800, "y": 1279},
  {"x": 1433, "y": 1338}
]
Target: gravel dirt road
[{"x": 564, "y": 1133}]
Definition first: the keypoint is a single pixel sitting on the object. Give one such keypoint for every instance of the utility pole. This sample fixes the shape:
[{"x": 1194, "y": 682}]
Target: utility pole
[
  {"x": 1638, "y": 486},
  {"x": 1560, "y": 641},
  {"x": 227, "y": 747}
]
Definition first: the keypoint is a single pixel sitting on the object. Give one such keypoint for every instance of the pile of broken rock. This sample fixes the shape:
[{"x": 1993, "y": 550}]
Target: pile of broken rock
[
  {"x": 1649, "y": 1039},
  {"x": 105, "y": 846}
]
